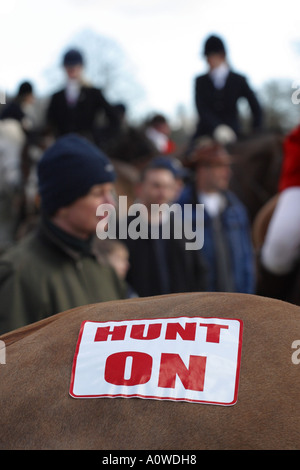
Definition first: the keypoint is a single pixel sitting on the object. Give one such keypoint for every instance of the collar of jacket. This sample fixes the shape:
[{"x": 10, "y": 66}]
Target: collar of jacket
[
  {"x": 71, "y": 246},
  {"x": 192, "y": 193},
  {"x": 219, "y": 75}
]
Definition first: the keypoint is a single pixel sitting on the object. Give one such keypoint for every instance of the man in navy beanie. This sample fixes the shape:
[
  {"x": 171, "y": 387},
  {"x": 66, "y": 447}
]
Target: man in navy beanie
[{"x": 54, "y": 269}]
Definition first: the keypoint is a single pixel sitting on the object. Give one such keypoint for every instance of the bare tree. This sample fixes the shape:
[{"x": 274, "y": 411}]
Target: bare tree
[
  {"x": 281, "y": 113},
  {"x": 106, "y": 66}
]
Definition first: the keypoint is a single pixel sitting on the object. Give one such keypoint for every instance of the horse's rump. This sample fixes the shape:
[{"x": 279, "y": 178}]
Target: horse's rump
[{"x": 37, "y": 411}]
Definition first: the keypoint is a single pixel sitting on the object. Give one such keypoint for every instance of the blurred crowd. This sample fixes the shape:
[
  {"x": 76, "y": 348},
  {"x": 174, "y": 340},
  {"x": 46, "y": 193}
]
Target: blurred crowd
[{"x": 55, "y": 172}]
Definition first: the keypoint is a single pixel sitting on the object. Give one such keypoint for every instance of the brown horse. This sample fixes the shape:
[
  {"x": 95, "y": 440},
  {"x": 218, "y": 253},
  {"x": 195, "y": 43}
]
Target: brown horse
[
  {"x": 256, "y": 170},
  {"x": 37, "y": 411},
  {"x": 282, "y": 287},
  {"x": 261, "y": 222}
]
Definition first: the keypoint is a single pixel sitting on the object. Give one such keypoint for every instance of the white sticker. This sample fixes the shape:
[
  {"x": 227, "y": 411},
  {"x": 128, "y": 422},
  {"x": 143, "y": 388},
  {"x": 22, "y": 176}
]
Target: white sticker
[{"x": 192, "y": 359}]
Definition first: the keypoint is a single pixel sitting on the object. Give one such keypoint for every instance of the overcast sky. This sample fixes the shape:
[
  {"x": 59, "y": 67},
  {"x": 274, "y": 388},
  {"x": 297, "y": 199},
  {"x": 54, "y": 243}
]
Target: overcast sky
[{"x": 162, "y": 38}]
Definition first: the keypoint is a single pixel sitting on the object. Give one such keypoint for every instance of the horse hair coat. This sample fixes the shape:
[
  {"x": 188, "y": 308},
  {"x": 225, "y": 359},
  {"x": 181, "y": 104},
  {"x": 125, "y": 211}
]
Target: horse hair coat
[{"x": 37, "y": 411}]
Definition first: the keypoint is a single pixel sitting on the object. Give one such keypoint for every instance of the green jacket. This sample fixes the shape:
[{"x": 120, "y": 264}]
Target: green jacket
[{"x": 42, "y": 276}]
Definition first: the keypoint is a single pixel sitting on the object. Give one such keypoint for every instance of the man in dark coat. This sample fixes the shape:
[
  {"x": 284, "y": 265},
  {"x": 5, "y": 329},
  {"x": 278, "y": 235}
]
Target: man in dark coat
[
  {"x": 227, "y": 247},
  {"x": 217, "y": 93},
  {"x": 162, "y": 264},
  {"x": 76, "y": 107}
]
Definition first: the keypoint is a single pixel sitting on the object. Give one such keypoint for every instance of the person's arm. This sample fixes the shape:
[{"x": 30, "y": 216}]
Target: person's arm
[
  {"x": 249, "y": 262},
  {"x": 111, "y": 114},
  {"x": 254, "y": 104},
  {"x": 281, "y": 248},
  {"x": 51, "y": 116},
  {"x": 20, "y": 303}
]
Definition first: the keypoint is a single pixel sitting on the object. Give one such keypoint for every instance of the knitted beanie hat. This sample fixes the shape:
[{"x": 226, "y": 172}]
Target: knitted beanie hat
[{"x": 68, "y": 169}]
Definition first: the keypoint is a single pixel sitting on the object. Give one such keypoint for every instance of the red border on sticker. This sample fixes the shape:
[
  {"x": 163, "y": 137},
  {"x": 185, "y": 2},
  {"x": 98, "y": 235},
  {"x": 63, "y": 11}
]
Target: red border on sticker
[{"x": 153, "y": 397}]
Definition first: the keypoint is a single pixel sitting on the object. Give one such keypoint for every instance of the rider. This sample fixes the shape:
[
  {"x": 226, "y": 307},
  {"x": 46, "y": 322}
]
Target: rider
[
  {"x": 217, "y": 93},
  {"x": 77, "y": 106}
]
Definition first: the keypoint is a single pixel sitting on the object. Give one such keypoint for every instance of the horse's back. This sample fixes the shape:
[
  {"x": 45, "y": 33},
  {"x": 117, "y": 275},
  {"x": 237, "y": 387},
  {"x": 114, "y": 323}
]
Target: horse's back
[{"x": 37, "y": 411}]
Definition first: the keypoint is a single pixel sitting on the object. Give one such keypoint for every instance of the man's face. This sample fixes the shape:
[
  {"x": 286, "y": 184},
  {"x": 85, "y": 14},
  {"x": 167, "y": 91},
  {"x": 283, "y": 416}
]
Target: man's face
[
  {"x": 214, "y": 177},
  {"x": 164, "y": 128},
  {"x": 79, "y": 218},
  {"x": 214, "y": 60},
  {"x": 159, "y": 187},
  {"x": 74, "y": 72}
]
